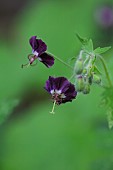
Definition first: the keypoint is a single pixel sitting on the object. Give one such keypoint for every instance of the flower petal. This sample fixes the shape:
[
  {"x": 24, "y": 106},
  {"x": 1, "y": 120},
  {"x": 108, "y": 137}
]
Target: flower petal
[
  {"x": 49, "y": 86},
  {"x": 46, "y": 59},
  {"x": 33, "y": 42},
  {"x": 37, "y": 45},
  {"x": 42, "y": 47},
  {"x": 70, "y": 94},
  {"x": 61, "y": 83}
]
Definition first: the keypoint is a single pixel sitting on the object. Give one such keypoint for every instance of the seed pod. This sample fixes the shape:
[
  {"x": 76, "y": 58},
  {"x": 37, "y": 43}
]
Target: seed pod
[
  {"x": 78, "y": 68},
  {"x": 84, "y": 71},
  {"x": 79, "y": 83},
  {"x": 86, "y": 89},
  {"x": 96, "y": 79}
]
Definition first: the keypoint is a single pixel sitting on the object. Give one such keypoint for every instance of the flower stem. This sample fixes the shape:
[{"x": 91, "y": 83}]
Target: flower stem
[
  {"x": 73, "y": 75},
  {"x": 66, "y": 64},
  {"x": 106, "y": 70}
]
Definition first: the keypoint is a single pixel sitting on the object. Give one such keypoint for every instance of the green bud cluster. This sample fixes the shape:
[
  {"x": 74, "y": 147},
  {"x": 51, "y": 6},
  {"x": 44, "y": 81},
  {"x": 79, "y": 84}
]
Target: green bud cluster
[
  {"x": 80, "y": 83},
  {"x": 85, "y": 73},
  {"x": 96, "y": 79},
  {"x": 78, "y": 66}
]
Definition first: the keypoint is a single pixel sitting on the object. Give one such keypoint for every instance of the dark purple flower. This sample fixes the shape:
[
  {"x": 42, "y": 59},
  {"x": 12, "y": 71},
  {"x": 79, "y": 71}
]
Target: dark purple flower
[
  {"x": 39, "y": 52},
  {"x": 61, "y": 89}
]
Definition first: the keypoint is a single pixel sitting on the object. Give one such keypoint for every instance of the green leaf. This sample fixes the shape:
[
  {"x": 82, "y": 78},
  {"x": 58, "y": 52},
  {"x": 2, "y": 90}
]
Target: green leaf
[
  {"x": 87, "y": 44},
  {"x": 101, "y": 50},
  {"x": 84, "y": 41}
]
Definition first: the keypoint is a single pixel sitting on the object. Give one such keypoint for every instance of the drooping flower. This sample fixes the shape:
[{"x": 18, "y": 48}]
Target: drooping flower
[
  {"x": 39, "y": 52},
  {"x": 61, "y": 89}
]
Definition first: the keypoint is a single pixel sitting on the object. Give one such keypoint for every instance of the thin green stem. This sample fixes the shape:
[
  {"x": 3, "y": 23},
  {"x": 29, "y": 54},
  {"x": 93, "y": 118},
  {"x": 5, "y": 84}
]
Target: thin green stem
[
  {"x": 106, "y": 70},
  {"x": 66, "y": 64},
  {"x": 73, "y": 75}
]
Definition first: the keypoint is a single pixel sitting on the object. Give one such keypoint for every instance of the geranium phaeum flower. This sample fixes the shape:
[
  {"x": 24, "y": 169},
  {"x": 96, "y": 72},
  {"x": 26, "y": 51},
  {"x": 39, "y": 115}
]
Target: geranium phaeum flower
[
  {"x": 61, "y": 89},
  {"x": 39, "y": 52}
]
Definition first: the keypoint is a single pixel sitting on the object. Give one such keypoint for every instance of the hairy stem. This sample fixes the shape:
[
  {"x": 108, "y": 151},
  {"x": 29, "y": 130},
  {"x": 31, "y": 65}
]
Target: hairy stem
[{"x": 66, "y": 64}]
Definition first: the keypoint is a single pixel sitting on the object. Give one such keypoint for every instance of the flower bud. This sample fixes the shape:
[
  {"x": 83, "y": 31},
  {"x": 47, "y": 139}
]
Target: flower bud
[
  {"x": 78, "y": 66},
  {"x": 90, "y": 79},
  {"x": 84, "y": 71},
  {"x": 86, "y": 89},
  {"x": 96, "y": 79},
  {"x": 80, "y": 83}
]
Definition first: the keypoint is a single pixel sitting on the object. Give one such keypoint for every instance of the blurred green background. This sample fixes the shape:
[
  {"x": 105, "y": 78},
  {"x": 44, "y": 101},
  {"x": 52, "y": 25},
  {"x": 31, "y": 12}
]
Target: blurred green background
[{"x": 77, "y": 136}]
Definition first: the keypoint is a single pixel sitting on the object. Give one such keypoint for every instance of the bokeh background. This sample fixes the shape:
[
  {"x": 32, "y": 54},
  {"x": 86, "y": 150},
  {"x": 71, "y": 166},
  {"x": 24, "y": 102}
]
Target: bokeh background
[{"x": 77, "y": 136}]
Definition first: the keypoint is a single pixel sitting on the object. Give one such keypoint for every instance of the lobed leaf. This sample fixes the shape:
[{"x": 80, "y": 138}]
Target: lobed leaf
[
  {"x": 87, "y": 44},
  {"x": 100, "y": 50}
]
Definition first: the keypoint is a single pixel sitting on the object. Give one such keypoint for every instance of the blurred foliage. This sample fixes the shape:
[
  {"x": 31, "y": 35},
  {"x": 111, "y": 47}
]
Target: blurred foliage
[
  {"x": 77, "y": 136},
  {"x": 6, "y": 108},
  {"x": 107, "y": 98}
]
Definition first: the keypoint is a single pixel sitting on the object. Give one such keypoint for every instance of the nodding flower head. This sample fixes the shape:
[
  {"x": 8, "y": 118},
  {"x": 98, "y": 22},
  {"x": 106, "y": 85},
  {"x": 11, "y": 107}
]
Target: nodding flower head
[
  {"x": 39, "y": 52},
  {"x": 61, "y": 90}
]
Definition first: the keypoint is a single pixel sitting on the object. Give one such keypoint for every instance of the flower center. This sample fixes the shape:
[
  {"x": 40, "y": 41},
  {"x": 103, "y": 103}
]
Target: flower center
[
  {"x": 35, "y": 53},
  {"x": 32, "y": 58},
  {"x": 58, "y": 96}
]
